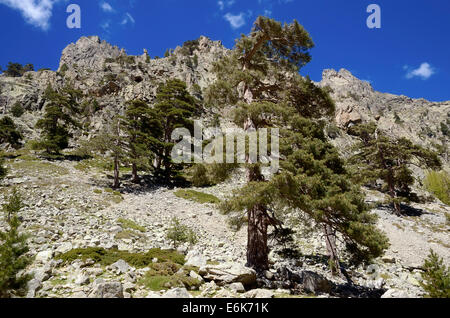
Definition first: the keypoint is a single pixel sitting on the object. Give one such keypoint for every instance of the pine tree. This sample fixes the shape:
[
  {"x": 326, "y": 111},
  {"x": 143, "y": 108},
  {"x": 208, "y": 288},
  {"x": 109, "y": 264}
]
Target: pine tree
[
  {"x": 381, "y": 157},
  {"x": 174, "y": 109},
  {"x": 58, "y": 118},
  {"x": 9, "y": 133},
  {"x": 13, "y": 249},
  {"x": 260, "y": 76},
  {"x": 138, "y": 124}
]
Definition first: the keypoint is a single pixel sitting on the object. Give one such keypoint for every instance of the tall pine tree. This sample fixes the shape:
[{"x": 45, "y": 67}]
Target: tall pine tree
[
  {"x": 174, "y": 109},
  {"x": 139, "y": 123},
  {"x": 259, "y": 77}
]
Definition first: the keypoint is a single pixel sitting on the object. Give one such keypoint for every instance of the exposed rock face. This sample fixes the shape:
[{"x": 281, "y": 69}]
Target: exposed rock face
[
  {"x": 104, "y": 289},
  {"x": 89, "y": 53},
  {"x": 356, "y": 101}
]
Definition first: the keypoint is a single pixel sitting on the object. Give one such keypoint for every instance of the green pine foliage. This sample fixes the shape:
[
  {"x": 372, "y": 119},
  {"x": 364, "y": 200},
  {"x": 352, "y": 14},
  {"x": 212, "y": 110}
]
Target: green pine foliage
[
  {"x": 17, "y": 69},
  {"x": 9, "y": 133},
  {"x": 313, "y": 177},
  {"x": 436, "y": 277},
  {"x": 58, "y": 118},
  {"x": 380, "y": 157},
  {"x": 138, "y": 125},
  {"x": 174, "y": 108},
  {"x": 13, "y": 250}
]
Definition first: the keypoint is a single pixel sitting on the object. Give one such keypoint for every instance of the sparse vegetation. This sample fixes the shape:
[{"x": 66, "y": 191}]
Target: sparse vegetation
[
  {"x": 107, "y": 257},
  {"x": 197, "y": 196},
  {"x": 179, "y": 233},
  {"x": 17, "y": 110},
  {"x": 129, "y": 224}
]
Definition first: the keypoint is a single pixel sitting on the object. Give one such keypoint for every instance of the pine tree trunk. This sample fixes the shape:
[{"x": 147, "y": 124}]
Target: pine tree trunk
[
  {"x": 257, "y": 249},
  {"x": 116, "y": 173},
  {"x": 393, "y": 193},
  {"x": 134, "y": 173},
  {"x": 330, "y": 238}
]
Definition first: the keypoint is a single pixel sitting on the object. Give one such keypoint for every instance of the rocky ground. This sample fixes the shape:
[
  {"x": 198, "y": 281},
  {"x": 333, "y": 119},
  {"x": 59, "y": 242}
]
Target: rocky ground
[{"x": 70, "y": 205}]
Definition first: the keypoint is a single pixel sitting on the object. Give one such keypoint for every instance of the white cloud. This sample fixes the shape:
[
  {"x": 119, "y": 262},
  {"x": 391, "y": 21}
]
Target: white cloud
[
  {"x": 128, "y": 19},
  {"x": 424, "y": 71},
  {"x": 35, "y": 12},
  {"x": 105, "y": 6},
  {"x": 236, "y": 21},
  {"x": 223, "y": 4}
]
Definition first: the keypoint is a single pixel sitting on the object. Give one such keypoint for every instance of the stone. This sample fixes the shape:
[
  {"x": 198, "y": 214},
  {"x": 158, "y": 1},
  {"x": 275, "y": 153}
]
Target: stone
[
  {"x": 259, "y": 293},
  {"x": 121, "y": 266},
  {"x": 315, "y": 283},
  {"x": 44, "y": 256},
  {"x": 177, "y": 293},
  {"x": 237, "y": 287},
  {"x": 196, "y": 258},
  {"x": 196, "y": 276},
  {"x": 64, "y": 248},
  {"x": 82, "y": 279},
  {"x": 395, "y": 293},
  {"x": 33, "y": 286},
  {"x": 102, "y": 289},
  {"x": 228, "y": 273}
]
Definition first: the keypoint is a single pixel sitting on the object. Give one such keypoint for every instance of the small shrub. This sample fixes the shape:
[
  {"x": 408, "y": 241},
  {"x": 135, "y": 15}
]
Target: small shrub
[
  {"x": 220, "y": 172},
  {"x": 436, "y": 277},
  {"x": 197, "y": 196},
  {"x": 200, "y": 176},
  {"x": 17, "y": 110},
  {"x": 129, "y": 224},
  {"x": 179, "y": 233},
  {"x": 168, "y": 275},
  {"x": 438, "y": 183}
]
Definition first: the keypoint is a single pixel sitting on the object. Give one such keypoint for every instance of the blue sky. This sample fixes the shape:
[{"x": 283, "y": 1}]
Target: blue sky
[{"x": 409, "y": 54}]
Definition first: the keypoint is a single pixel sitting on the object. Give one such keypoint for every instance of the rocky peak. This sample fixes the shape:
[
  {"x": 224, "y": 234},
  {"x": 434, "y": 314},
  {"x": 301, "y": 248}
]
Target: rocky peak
[{"x": 88, "y": 52}]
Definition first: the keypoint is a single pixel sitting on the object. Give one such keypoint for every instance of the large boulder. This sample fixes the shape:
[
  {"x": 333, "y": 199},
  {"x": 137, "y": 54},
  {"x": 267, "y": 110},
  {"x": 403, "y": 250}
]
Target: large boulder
[
  {"x": 315, "y": 283},
  {"x": 104, "y": 289},
  {"x": 196, "y": 258},
  {"x": 228, "y": 273}
]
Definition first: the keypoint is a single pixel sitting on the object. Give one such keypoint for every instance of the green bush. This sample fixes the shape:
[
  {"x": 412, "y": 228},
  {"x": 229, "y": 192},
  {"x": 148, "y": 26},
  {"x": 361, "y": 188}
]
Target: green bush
[
  {"x": 168, "y": 275},
  {"x": 179, "y": 233},
  {"x": 107, "y": 257},
  {"x": 17, "y": 110},
  {"x": 129, "y": 224},
  {"x": 436, "y": 277},
  {"x": 199, "y": 176},
  {"x": 197, "y": 196},
  {"x": 438, "y": 183},
  {"x": 220, "y": 172}
]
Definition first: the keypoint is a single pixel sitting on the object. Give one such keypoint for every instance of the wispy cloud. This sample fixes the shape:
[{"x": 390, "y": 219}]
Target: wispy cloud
[
  {"x": 424, "y": 71},
  {"x": 35, "y": 12},
  {"x": 106, "y": 7},
  {"x": 225, "y": 4},
  {"x": 128, "y": 19},
  {"x": 236, "y": 21}
]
